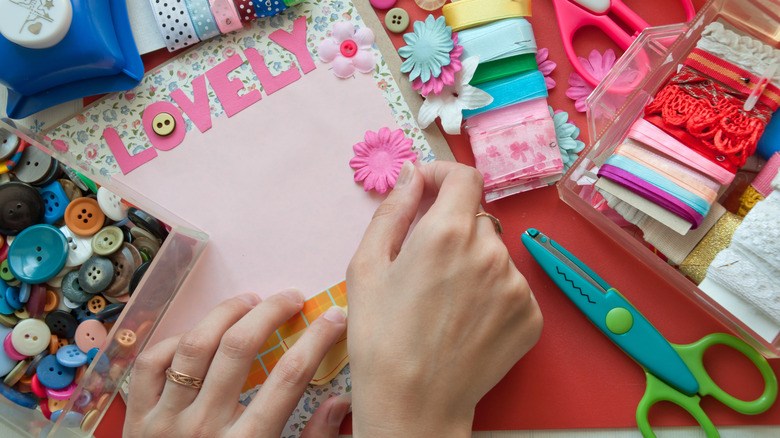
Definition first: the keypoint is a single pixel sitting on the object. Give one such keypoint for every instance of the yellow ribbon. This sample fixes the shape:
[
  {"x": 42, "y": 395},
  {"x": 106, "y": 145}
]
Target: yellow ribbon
[{"x": 464, "y": 14}]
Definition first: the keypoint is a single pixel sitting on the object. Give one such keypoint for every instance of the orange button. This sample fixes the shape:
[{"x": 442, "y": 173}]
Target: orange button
[
  {"x": 56, "y": 405},
  {"x": 90, "y": 334},
  {"x": 96, "y": 304},
  {"x": 52, "y": 301},
  {"x": 84, "y": 216},
  {"x": 54, "y": 344},
  {"x": 126, "y": 338}
]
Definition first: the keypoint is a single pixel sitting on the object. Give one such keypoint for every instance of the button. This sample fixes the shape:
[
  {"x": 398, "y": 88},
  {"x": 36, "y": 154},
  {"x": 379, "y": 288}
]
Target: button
[
  {"x": 56, "y": 405},
  {"x": 37, "y": 254},
  {"x": 619, "y": 320},
  {"x": 126, "y": 338},
  {"x": 348, "y": 48},
  {"x": 79, "y": 247},
  {"x": 25, "y": 400},
  {"x": 147, "y": 247},
  {"x": 31, "y": 337},
  {"x": 16, "y": 373},
  {"x": 73, "y": 290},
  {"x": 397, "y": 20},
  {"x": 22, "y": 313},
  {"x": 35, "y": 361},
  {"x": 6, "y": 362},
  {"x": 36, "y": 25},
  {"x": 5, "y": 308},
  {"x": 69, "y": 419},
  {"x": 163, "y": 124},
  {"x": 52, "y": 301},
  {"x": 10, "y": 351},
  {"x": 20, "y": 207},
  {"x": 125, "y": 262},
  {"x": 138, "y": 275},
  {"x": 8, "y": 320},
  {"x": 5, "y": 273},
  {"x": 53, "y": 375},
  {"x": 64, "y": 393},
  {"x": 12, "y": 297},
  {"x": 72, "y": 191},
  {"x": 44, "y": 405},
  {"x": 382, "y": 4},
  {"x": 111, "y": 205},
  {"x": 137, "y": 232},
  {"x": 102, "y": 365},
  {"x": 34, "y": 166},
  {"x": 96, "y": 274},
  {"x": 147, "y": 222},
  {"x": 9, "y": 143},
  {"x": 71, "y": 356},
  {"x": 110, "y": 313},
  {"x": 62, "y": 324},
  {"x": 36, "y": 304},
  {"x": 84, "y": 398},
  {"x": 107, "y": 240},
  {"x": 24, "y": 292},
  {"x": 90, "y": 420},
  {"x": 84, "y": 216},
  {"x": 82, "y": 313},
  {"x": 55, "y": 202},
  {"x": 37, "y": 388},
  {"x": 90, "y": 334}
]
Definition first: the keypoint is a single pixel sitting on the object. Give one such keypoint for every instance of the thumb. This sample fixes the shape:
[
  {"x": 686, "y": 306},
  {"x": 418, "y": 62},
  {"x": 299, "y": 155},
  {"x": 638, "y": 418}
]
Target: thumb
[
  {"x": 385, "y": 234},
  {"x": 327, "y": 418}
]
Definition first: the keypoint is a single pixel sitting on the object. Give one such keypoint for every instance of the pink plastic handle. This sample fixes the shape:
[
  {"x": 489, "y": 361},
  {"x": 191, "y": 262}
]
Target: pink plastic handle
[{"x": 572, "y": 17}]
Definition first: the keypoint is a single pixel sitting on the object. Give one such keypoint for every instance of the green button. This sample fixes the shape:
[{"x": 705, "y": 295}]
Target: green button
[
  {"x": 5, "y": 273},
  {"x": 397, "y": 20},
  {"x": 619, "y": 320}
]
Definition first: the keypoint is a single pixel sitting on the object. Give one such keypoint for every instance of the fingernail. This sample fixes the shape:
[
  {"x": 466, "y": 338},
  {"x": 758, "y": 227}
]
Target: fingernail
[
  {"x": 407, "y": 170},
  {"x": 340, "y": 409},
  {"x": 294, "y": 294},
  {"x": 250, "y": 299},
  {"x": 335, "y": 314}
]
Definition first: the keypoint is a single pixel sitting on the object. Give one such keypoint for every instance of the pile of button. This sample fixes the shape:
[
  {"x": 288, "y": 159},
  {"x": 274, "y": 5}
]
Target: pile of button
[{"x": 72, "y": 254}]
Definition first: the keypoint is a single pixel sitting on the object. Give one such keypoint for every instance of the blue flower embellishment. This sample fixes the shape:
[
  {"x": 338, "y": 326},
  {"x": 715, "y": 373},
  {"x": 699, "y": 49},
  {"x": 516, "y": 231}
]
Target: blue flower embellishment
[{"x": 428, "y": 49}]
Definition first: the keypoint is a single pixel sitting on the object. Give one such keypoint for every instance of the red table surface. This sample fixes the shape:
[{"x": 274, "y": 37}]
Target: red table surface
[{"x": 575, "y": 377}]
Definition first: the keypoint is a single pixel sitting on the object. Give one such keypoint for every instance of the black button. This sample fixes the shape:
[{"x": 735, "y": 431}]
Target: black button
[
  {"x": 138, "y": 275},
  {"x": 61, "y": 323},
  {"x": 96, "y": 274},
  {"x": 147, "y": 222},
  {"x": 72, "y": 289},
  {"x": 111, "y": 312},
  {"x": 20, "y": 207}
]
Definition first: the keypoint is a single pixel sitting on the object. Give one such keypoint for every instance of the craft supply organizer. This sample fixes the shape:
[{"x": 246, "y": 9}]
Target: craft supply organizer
[
  {"x": 620, "y": 100},
  {"x": 129, "y": 333}
]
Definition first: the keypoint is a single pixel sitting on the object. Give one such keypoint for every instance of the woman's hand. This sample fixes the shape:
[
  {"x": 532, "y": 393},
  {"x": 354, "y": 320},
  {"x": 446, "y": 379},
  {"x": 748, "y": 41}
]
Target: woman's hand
[
  {"x": 220, "y": 350},
  {"x": 435, "y": 325}
]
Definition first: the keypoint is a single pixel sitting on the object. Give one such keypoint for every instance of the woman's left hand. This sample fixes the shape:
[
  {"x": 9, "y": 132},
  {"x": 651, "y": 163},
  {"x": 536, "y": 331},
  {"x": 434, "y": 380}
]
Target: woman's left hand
[{"x": 219, "y": 351}]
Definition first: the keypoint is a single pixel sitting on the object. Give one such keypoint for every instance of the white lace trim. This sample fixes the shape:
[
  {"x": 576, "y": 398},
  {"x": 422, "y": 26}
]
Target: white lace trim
[{"x": 740, "y": 50}]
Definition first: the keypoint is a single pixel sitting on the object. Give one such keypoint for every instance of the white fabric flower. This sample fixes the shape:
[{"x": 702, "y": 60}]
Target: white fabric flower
[{"x": 449, "y": 105}]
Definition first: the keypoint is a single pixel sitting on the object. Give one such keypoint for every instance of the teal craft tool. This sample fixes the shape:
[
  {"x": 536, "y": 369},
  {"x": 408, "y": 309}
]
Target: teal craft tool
[{"x": 675, "y": 373}]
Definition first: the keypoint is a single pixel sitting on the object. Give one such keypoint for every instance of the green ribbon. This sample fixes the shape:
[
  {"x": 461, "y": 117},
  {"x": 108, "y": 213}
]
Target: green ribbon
[{"x": 501, "y": 68}]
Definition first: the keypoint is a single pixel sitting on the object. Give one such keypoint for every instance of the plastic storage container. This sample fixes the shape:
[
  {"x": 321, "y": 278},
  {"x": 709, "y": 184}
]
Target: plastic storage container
[
  {"x": 620, "y": 99},
  {"x": 130, "y": 332}
]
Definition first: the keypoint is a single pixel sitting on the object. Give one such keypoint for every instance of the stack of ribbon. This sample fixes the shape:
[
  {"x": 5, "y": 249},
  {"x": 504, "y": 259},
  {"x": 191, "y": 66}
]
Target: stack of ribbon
[
  {"x": 513, "y": 138},
  {"x": 699, "y": 129},
  {"x": 184, "y": 23}
]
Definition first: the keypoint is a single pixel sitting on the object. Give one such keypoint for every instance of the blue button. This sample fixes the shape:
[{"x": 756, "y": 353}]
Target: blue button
[
  {"x": 5, "y": 308},
  {"x": 12, "y": 297},
  {"x": 103, "y": 363},
  {"x": 71, "y": 356},
  {"x": 26, "y": 400},
  {"x": 55, "y": 201},
  {"x": 54, "y": 375},
  {"x": 38, "y": 254},
  {"x": 71, "y": 419},
  {"x": 6, "y": 363},
  {"x": 25, "y": 289}
]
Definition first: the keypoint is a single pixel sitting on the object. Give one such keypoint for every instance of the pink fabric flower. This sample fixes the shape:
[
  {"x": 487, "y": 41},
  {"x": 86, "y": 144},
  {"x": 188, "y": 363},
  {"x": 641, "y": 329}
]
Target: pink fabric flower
[
  {"x": 378, "y": 159},
  {"x": 597, "y": 65},
  {"x": 447, "y": 76},
  {"x": 348, "y": 49},
  {"x": 546, "y": 66}
]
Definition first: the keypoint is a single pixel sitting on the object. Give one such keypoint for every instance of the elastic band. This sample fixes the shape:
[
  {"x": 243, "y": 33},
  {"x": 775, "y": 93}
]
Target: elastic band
[
  {"x": 226, "y": 15},
  {"x": 464, "y": 14},
  {"x": 502, "y": 39},
  {"x": 511, "y": 90},
  {"x": 675, "y": 172},
  {"x": 763, "y": 181},
  {"x": 173, "y": 20},
  {"x": 653, "y": 136},
  {"x": 733, "y": 76},
  {"x": 504, "y": 67},
  {"x": 651, "y": 193},
  {"x": 202, "y": 19},
  {"x": 267, "y": 8},
  {"x": 695, "y": 202},
  {"x": 246, "y": 11}
]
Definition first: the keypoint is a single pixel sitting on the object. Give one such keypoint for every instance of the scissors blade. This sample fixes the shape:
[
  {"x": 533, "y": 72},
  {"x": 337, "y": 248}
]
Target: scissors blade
[{"x": 608, "y": 310}]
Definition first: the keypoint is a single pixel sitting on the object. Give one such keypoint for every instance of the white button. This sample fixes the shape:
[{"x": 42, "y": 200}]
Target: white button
[
  {"x": 137, "y": 232},
  {"x": 35, "y": 24},
  {"x": 79, "y": 248},
  {"x": 31, "y": 336},
  {"x": 111, "y": 205}
]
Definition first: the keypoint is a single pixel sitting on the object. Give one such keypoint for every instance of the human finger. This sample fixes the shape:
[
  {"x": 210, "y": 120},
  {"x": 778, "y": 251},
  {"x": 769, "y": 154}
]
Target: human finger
[
  {"x": 148, "y": 378},
  {"x": 327, "y": 419},
  {"x": 385, "y": 234},
  {"x": 458, "y": 188},
  {"x": 239, "y": 346},
  {"x": 281, "y": 392},
  {"x": 196, "y": 348}
]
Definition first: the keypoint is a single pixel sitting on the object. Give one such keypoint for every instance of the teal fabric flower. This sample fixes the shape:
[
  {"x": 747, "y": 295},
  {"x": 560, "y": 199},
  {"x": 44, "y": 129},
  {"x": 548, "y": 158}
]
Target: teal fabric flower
[
  {"x": 567, "y": 134},
  {"x": 427, "y": 50}
]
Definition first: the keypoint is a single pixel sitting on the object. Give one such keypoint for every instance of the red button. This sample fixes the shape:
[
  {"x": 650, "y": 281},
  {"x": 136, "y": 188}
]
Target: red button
[
  {"x": 90, "y": 334},
  {"x": 349, "y": 48},
  {"x": 84, "y": 216}
]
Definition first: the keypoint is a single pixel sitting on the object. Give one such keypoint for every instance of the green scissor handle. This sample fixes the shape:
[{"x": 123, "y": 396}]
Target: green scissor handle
[{"x": 692, "y": 355}]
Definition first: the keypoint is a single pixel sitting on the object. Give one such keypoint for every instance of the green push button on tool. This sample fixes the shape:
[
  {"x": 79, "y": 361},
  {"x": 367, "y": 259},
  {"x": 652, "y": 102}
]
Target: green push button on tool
[{"x": 619, "y": 320}]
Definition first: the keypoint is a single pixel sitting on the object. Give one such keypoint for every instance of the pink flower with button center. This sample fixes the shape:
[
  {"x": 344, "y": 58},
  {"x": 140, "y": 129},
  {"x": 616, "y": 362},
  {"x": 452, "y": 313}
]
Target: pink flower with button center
[
  {"x": 348, "y": 49},
  {"x": 378, "y": 159}
]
